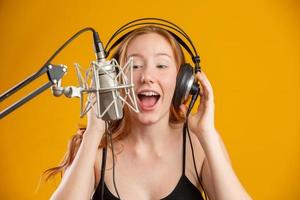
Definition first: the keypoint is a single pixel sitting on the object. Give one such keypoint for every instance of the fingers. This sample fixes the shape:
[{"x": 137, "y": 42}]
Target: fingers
[
  {"x": 183, "y": 109},
  {"x": 93, "y": 122},
  {"x": 207, "y": 91}
]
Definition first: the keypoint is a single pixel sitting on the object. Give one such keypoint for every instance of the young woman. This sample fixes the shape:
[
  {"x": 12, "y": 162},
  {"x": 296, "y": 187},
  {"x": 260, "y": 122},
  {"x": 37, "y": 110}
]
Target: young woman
[{"x": 152, "y": 161}]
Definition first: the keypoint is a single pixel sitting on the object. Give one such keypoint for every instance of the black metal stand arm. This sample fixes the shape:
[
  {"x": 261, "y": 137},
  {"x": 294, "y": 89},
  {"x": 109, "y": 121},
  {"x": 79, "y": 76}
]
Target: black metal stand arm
[{"x": 54, "y": 73}]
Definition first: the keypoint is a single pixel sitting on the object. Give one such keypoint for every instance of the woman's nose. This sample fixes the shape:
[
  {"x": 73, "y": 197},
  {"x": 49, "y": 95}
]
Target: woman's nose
[
  {"x": 146, "y": 79},
  {"x": 147, "y": 76}
]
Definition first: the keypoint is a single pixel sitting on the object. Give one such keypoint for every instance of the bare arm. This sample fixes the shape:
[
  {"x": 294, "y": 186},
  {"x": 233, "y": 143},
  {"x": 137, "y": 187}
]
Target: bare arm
[
  {"x": 79, "y": 179},
  {"x": 219, "y": 178}
]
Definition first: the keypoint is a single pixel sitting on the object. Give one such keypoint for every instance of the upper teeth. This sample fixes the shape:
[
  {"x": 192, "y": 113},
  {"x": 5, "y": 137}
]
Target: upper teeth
[{"x": 149, "y": 93}]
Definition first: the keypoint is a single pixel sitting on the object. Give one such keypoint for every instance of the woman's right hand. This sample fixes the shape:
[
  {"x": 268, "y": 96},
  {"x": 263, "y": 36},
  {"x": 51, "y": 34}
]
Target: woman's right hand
[{"x": 93, "y": 123}]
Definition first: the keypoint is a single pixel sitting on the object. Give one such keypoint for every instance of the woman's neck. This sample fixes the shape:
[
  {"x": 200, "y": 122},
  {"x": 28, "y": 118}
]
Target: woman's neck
[{"x": 153, "y": 137}]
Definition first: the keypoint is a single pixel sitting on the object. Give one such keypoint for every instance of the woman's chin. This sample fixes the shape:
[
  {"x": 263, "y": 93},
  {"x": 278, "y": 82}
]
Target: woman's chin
[
  {"x": 150, "y": 118},
  {"x": 147, "y": 120}
]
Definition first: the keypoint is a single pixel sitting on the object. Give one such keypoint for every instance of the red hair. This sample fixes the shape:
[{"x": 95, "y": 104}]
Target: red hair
[{"x": 121, "y": 127}]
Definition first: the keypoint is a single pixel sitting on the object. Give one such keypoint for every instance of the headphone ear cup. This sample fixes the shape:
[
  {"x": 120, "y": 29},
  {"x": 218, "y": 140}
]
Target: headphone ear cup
[{"x": 184, "y": 82}]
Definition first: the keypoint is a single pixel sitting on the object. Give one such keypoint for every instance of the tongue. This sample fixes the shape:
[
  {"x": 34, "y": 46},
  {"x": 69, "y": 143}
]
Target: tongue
[{"x": 148, "y": 101}]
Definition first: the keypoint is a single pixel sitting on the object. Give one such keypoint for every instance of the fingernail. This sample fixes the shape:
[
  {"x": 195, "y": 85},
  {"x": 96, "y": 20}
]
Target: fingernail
[{"x": 201, "y": 76}]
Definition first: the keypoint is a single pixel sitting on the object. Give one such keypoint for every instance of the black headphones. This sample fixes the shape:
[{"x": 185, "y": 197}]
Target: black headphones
[{"x": 185, "y": 82}]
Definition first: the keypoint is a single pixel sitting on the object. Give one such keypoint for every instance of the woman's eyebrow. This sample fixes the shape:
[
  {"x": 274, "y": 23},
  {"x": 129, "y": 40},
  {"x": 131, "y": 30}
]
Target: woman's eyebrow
[
  {"x": 163, "y": 54},
  {"x": 142, "y": 56},
  {"x": 136, "y": 55}
]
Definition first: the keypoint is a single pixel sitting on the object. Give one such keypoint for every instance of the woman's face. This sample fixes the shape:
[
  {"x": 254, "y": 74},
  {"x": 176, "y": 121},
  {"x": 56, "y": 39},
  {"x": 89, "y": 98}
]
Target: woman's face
[{"x": 154, "y": 75}]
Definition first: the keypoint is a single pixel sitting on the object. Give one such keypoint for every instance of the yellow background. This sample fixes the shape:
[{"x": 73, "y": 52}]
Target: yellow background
[{"x": 250, "y": 52}]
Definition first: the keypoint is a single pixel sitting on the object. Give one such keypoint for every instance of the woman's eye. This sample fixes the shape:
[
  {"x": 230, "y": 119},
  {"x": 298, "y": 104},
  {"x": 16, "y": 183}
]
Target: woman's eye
[
  {"x": 136, "y": 66},
  {"x": 162, "y": 66}
]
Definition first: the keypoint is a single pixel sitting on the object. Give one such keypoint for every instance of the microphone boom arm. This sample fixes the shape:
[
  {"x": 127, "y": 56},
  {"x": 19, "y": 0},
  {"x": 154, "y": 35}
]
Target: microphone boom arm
[{"x": 54, "y": 73}]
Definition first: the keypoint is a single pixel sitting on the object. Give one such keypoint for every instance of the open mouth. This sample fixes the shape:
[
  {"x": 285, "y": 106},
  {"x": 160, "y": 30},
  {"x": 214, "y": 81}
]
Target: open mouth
[{"x": 148, "y": 99}]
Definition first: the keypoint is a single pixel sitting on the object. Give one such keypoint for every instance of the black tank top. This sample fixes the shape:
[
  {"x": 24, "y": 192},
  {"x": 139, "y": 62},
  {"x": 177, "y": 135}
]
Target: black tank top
[{"x": 184, "y": 190}]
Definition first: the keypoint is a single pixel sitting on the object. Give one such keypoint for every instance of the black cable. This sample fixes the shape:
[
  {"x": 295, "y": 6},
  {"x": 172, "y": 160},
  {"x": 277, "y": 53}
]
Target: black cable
[
  {"x": 104, "y": 158},
  {"x": 40, "y": 71},
  {"x": 65, "y": 44},
  {"x": 113, "y": 159},
  {"x": 44, "y": 68},
  {"x": 186, "y": 128},
  {"x": 193, "y": 155}
]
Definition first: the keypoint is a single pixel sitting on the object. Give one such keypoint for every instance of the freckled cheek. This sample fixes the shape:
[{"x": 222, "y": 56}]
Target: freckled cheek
[
  {"x": 136, "y": 79},
  {"x": 169, "y": 87}
]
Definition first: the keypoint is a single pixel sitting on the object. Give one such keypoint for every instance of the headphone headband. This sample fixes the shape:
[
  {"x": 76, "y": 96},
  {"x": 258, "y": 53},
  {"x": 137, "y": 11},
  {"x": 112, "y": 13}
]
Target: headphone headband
[{"x": 194, "y": 55}]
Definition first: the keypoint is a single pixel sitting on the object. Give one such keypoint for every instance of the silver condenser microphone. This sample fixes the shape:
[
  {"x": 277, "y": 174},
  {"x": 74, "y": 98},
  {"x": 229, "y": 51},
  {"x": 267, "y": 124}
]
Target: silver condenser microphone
[
  {"x": 110, "y": 102},
  {"x": 107, "y": 85}
]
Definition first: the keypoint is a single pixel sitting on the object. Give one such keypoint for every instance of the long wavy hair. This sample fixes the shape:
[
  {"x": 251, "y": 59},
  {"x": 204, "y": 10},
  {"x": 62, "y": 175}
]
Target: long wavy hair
[{"x": 121, "y": 128}]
